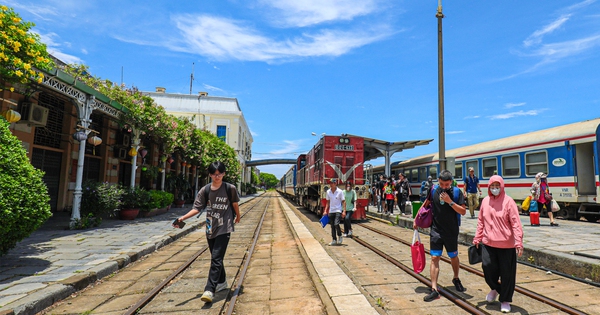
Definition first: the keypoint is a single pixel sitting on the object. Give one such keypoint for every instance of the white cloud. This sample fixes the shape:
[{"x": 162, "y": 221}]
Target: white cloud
[
  {"x": 511, "y": 105},
  {"x": 84, "y": 51},
  {"x": 294, "y": 13},
  {"x": 454, "y": 132},
  {"x": 290, "y": 148},
  {"x": 53, "y": 47},
  {"x": 225, "y": 39},
  {"x": 536, "y": 37},
  {"x": 212, "y": 88},
  {"x": 534, "y": 112},
  {"x": 472, "y": 117}
]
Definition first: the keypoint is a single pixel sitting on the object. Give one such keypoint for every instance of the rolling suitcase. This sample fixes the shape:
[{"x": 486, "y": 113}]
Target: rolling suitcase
[{"x": 534, "y": 218}]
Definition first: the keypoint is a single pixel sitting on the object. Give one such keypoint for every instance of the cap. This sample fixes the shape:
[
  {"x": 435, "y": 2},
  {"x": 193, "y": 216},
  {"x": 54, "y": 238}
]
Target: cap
[
  {"x": 539, "y": 175},
  {"x": 471, "y": 169},
  {"x": 333, "y": 180},
  {"x": 429, "y": 178}
]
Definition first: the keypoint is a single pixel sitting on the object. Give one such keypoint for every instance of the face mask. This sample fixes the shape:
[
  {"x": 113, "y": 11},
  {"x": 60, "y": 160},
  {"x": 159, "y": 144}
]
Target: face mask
[{"x": 495, "y": 191}]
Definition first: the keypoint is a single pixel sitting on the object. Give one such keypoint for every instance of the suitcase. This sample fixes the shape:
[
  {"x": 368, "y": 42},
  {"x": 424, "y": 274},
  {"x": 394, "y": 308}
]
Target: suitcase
[{"x": 534, "y": 218}]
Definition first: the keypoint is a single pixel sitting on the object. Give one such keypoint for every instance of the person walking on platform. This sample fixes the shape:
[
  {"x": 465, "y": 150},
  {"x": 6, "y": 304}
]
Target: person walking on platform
[
  {"x": 335, "y": 209},
  {"x": 220, "y": 199},
  {"x": 443, "y": 232},
  {"x": 389, "y": 193},
  {"x": 381, "y": 191},
  {"x": 499, "y": 229},
  {"x": 540, "y": 192},
  {"x": 425, "y": 188},
  {"x": 471, "y": 189},
  {"x": 350, "y": 202},
  {"x": 404, "y": 191}
]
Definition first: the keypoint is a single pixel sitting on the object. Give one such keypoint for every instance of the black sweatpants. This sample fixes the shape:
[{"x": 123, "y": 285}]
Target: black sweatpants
[
  {"x": 348, "y": 222},
  {"x": 216, "y": 274},
  {"x": 500, "y": 264},
  {"x": 334, "y": 220}
]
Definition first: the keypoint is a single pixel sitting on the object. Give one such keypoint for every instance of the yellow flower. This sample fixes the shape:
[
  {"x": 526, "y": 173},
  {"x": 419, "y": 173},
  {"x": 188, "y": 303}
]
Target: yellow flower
[
  {"x": 30, "y": 40},
  {"x": 39, "y": 80},
  {"x": 18, "y": 73},
  {"x": 26, "y": 66},
  {"x": 4, "y": 8},
  {"x": 12, "y": 89},
  {"x": 16, "y": 20}
]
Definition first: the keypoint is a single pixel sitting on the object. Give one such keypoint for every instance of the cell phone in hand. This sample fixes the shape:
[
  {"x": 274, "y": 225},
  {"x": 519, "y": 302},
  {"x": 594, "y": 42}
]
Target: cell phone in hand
[{"x": 179, "y": 224}]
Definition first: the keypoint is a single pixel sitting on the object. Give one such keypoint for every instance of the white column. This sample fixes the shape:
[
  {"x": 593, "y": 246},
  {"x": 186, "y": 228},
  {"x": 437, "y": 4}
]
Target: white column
[
  {"x": 83, "y": 111},
  {"x": 136, "y": 145}
]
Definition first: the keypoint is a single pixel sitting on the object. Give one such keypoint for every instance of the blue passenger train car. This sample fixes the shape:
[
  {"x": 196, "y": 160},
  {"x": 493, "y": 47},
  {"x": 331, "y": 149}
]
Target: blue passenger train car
[{"x": 569, "y": 154}]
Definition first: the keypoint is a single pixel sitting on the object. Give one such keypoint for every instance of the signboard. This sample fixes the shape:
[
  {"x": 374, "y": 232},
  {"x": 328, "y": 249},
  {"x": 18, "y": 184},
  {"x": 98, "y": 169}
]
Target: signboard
[{"x": 344, "y": 147}]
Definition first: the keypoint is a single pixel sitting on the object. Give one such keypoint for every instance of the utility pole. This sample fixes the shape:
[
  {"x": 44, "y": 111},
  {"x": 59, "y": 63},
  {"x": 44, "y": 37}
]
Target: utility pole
[
  {"x": 191, "y": 78},
  {"x": 441, "y": 128}
]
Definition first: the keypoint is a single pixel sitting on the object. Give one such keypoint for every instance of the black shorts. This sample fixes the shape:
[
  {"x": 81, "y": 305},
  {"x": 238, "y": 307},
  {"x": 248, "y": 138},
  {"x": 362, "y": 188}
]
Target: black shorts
[{"x": 437, "y": 245}]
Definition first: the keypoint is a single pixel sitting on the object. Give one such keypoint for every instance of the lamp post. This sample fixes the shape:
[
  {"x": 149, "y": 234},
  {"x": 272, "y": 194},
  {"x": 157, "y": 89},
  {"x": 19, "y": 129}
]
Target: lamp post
[{"x": 441, "y": 128}]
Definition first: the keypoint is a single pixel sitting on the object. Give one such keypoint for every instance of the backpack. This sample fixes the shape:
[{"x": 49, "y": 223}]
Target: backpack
[{"x": 455, "y": 199}]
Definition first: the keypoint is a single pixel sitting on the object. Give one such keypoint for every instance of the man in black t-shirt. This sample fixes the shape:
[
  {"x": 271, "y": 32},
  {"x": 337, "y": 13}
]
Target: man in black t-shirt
[
  {"x": 444, "y": 230},
  {"x": 404, "y": 192}
]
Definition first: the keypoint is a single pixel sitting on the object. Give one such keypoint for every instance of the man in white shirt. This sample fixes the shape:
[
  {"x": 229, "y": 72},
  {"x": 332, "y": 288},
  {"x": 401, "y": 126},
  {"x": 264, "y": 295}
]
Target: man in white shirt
[{"x": 336, "y": 210}]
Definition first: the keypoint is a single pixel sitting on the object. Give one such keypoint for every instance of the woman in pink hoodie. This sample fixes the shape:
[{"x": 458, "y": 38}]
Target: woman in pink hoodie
[{"x": 499, "y": 228}]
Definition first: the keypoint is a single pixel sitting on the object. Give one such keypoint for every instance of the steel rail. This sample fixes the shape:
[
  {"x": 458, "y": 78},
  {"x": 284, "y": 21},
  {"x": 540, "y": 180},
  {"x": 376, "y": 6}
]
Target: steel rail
[
  {"x": 541, "y": 298},
  {"x": 148, "y": 297},
  {"x": 448, "y": 294},
  {"x": 240, "y": 280}
]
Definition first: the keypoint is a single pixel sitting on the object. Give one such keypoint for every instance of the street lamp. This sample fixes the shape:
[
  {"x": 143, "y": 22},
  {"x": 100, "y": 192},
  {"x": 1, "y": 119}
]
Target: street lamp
[{"x": 441, "y": 128}]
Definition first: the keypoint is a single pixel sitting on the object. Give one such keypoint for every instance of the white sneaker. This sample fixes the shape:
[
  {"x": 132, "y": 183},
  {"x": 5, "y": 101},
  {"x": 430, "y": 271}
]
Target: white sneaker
[
  {"x": 207, "y": 297},
  {"x": 333, "y": 243},
  {"x": 221, "y": 286},
  {"x": 350, "y": 233},
  {"x": 340, "y": 240},
  {"x": 505, "y": 307},
  {"x": 345, "y": 235},
  {"x": 491, "y": 297}
]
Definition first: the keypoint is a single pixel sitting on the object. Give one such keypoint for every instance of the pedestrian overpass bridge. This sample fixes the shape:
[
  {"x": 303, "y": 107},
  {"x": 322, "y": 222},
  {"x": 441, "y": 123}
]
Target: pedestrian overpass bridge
[{"x": 270, "y": 162}]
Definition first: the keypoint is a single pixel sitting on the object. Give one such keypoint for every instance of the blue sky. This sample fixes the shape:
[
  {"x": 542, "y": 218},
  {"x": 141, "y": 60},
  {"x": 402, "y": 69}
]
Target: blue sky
[{"x": 343, "y": 66}]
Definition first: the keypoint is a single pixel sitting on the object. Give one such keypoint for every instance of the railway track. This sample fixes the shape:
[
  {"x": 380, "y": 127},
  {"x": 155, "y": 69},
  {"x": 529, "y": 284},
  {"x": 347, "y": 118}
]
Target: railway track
[{"x": 462, "y": 300}]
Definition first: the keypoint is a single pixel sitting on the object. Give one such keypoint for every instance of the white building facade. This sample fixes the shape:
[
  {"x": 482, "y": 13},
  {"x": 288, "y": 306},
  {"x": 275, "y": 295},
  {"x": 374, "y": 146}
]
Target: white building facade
[{"x": 219, "y": 115}]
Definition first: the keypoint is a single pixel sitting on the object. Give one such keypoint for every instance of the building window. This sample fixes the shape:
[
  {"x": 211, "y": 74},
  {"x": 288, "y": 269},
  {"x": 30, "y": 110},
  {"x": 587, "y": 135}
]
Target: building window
[
  {"x": 222, "y": 133},
  {"x": 510, "y": 166},
  {"x": 536, "y": 162},
  {"x": 490, "y": 167}
]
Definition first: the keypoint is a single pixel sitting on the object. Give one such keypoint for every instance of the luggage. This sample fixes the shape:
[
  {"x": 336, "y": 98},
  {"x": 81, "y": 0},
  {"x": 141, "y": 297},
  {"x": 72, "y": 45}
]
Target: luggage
[{"x": 534, "y": 218}]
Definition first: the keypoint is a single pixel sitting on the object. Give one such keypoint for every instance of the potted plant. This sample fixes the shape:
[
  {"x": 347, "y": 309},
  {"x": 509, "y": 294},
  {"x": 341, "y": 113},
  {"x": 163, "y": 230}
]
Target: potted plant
[
  {"x": 132, "y": 200},
  {"x": 160, "y": 202},
  {"x": 180, "y": 187}
]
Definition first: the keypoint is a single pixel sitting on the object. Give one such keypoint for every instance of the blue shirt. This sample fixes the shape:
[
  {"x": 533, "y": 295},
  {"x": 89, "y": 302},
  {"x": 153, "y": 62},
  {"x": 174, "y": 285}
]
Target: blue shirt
[{"x": 471, "y": 184}]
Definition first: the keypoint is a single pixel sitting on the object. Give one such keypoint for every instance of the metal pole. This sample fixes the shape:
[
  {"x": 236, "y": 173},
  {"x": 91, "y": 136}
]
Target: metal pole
[
  {"x": 441, "y": 127},
  {"x": 136, "y": 145}
]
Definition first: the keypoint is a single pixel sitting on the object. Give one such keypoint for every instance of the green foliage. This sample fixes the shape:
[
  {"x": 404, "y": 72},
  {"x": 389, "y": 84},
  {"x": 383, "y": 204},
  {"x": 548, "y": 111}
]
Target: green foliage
[
  {"x": 21, "y": 51},
  {"x": 269, "y": 179},
  {"x": 160, "y": 199},
  {"x": 136, "y": 198},
  {"x": 100, "y": 199},
  {"x": 86, "y": 222},
  {"x": 151, "y": 172},
  {"x": 178, "y": 185},
  {"x": 24, "y": 200}
]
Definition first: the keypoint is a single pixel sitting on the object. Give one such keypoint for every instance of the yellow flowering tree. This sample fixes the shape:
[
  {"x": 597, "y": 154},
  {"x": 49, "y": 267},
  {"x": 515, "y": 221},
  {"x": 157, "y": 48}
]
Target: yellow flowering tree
[{"x": 22, "y": 54}]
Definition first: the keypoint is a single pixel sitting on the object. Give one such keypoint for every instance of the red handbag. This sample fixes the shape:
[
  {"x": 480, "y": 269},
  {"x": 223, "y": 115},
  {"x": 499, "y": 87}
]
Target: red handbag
[{"x": 417, "y": 251}]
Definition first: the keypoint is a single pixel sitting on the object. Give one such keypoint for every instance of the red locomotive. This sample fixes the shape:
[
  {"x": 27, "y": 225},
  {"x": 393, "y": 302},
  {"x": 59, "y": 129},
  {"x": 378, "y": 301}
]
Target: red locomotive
[{"x": 340, "y": 157}]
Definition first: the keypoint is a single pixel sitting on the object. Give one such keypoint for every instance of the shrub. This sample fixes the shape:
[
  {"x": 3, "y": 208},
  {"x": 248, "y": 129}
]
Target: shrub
[
  {"x": 86, "y": 222},
  {"x": 161, "y": 199},
  {"x": 136, "y": 198},
  {"x": 24, "y": 200},
  {"x": 100, "y": 199}
]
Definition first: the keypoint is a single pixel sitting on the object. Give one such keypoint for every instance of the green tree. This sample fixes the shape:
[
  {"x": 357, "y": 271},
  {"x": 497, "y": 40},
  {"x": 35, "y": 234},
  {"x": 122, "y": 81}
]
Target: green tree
[
  {"x": 24, "y": 200},
  {"x": 269, "y": 179}
]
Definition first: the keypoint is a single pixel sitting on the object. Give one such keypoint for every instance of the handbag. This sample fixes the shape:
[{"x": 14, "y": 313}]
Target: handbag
[
  {"x": 554, "y": 206},
  {"x": 475, "y": 254},
  {"x": 417, "y": 251},
  {"x": 424, "y": 216},
  {"x": 324, "y": 220},
  {"x": 548, "y": 196},
  {"x": 525, "y": 204}
]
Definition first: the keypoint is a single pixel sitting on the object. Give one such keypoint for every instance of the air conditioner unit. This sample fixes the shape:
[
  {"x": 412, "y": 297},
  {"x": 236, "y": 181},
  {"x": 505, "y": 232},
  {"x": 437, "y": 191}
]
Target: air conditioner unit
[{"x": 35, "y": 114}]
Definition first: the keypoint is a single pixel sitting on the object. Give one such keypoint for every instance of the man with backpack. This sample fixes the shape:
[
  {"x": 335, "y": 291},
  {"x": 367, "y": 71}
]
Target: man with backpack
[
  {"x": 404, "y": 192},
  {"x": 220, "y": 199},
  {"x": 471, "y": 188},
  {"x": 444, "y": 229}
]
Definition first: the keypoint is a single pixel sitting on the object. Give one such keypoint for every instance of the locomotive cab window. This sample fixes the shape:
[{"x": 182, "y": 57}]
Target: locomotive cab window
[
  {"x": 536, "y": 162},
  {"x": 490, "y": 167},
  {"x": 510, "y": 166}
]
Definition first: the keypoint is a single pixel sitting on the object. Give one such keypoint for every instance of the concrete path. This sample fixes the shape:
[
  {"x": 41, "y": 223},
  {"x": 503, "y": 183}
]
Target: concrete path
[{"x": 54, "y": 262}]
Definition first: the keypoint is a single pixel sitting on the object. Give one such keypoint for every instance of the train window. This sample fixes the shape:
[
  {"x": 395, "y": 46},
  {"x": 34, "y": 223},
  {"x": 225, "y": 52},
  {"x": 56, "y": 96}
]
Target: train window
[
  {"x": 422, "y": 173},
  {"x": 433, "y": 172},
  {"x": 475, "y": 165},
  {"x": 414, "y": 175},
  {"x": 536, "y": 162},
  {"x": 458, "y": 174},
  {"x": 510, "y": 166},
  {"x": 490, "y": 167}
]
